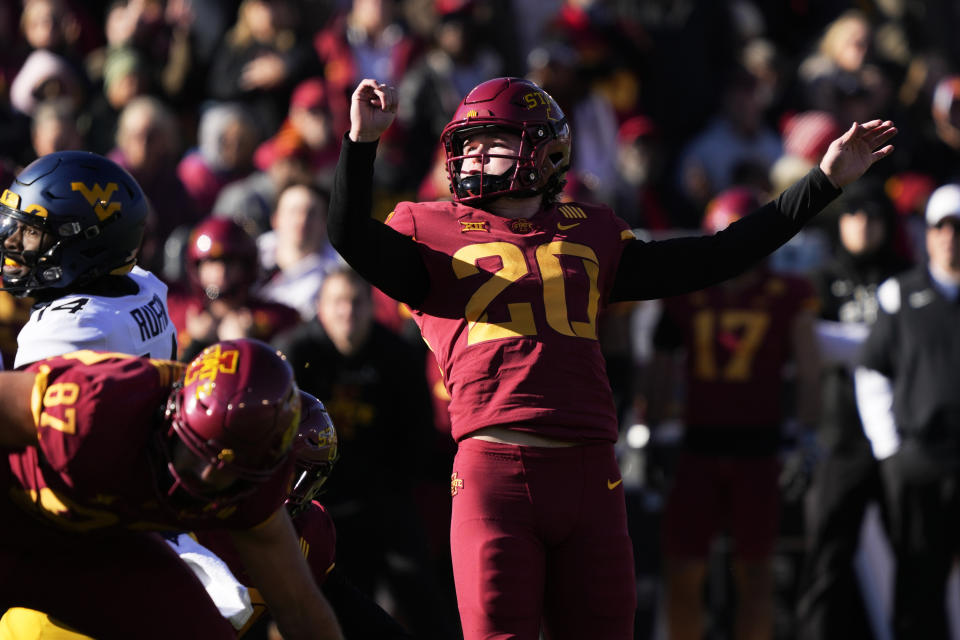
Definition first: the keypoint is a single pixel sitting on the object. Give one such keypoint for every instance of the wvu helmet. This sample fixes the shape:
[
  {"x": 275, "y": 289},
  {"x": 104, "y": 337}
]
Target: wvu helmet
[
  {"x": 315, "y": 449},
  {"x": 238, "y": 409},
  {"x": 729, "y": 206},
  {"x": 517, "y": 106},
  {"x": 220, "y": 238},
  {"x": 86, "y": 213}
]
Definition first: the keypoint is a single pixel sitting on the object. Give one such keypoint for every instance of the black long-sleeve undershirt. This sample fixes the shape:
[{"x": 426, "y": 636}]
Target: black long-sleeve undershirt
[{"x": 392, "y": 262}]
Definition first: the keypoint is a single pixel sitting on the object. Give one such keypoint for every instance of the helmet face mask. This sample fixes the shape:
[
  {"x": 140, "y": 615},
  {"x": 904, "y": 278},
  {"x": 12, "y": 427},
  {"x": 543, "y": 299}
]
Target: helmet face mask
[
  {"x": 91, "y": 213},
  {"x": 316, "y": 450},
  {"x": 28, "y": 248},
  {"x": 516, "y": 106}
]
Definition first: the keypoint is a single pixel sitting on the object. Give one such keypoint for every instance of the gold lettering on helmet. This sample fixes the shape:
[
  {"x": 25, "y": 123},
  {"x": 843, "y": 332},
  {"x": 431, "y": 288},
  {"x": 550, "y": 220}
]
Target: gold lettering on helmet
[
  {"x": 13, "y": 201},
  {"x": 472, "y": 113},
  {"x": 10, "y": 199},
  {"x": 226, "y": 455},
  {"x": 37, "y": 210},
  {"x": 99, "y": 198},
  {"x": 536, "y": 99},
  {"x": 208, "y": 365}
]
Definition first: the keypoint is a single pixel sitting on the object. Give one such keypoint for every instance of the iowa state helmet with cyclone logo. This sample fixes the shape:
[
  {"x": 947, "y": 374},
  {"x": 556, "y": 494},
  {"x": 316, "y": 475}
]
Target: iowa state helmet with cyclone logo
[
  {"x": 518, "y": 106},
  {"x": 238, "y": 409},
  {"x": 86, "y": 213}
]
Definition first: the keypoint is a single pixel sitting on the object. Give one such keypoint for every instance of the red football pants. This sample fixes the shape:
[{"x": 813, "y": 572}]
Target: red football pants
[{"x": 540, "y": 534}]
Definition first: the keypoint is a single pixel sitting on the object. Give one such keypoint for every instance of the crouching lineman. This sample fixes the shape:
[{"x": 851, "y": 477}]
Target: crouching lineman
[{"x": 102, "y": 450}]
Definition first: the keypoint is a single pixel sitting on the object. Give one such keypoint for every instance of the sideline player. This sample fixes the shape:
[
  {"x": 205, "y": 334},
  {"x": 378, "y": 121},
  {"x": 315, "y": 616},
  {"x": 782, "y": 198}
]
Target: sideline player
[
  {"x": 738, "y": 337},
  {"x": 507, "y": 286}
]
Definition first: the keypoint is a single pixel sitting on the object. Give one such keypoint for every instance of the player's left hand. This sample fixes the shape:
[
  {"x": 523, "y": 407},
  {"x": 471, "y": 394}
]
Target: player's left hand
[
  {"x": 849, "y": 156},
  {"x": 373, "y": 107}
]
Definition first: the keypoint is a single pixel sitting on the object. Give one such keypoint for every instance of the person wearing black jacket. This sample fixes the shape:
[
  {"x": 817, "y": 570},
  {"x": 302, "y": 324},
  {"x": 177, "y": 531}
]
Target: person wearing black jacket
[
  {"x": 507, "y": 285},
  {"x": 906, "y": 389},
  {"x": 373, "y": 384},
  {"x": 845, "y": 479}
]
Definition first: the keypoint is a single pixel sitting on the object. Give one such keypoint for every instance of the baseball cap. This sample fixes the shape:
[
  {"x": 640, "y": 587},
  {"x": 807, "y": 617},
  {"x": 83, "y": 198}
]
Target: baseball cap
[{"x": 944, "y": 202}]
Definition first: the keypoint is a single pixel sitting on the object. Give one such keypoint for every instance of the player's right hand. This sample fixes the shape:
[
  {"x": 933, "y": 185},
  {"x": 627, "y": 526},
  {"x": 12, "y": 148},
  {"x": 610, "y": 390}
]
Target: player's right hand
[{"x": 373, "y": 107}]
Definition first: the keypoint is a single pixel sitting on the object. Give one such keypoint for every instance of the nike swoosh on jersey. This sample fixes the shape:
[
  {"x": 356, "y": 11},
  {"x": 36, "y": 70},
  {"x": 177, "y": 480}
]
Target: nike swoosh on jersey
[
  {"x": 564, "y": 227},
  {"x": 614, "y": 485}
]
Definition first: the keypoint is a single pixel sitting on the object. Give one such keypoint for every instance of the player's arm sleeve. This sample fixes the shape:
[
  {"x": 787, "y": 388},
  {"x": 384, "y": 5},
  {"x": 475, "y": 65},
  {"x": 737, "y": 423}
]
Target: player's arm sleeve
[
  {"x": 271, "y": 554},
  {"x": 671, "y": 267},
  {"x": 385, "y": 257},
  {"x": 21, "y": 393},
  {"x": 359, "y": 615}
]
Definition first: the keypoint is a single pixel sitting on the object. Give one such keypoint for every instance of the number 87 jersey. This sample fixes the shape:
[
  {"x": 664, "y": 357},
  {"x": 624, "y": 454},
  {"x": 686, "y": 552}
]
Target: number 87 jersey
[{"x": 512, "y": 313}]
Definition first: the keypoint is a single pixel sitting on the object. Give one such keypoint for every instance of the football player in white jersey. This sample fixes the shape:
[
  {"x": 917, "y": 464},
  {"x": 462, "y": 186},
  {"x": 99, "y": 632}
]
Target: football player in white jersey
[{"x": 70, "y": 227}]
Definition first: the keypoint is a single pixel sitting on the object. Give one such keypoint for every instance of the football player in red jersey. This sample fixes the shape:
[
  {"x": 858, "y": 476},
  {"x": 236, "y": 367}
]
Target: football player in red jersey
[
  {"x": 507, "y": 285},
  {"x": 738, "y": 337},
  {"x": 219, "y": 302},
  {"x": 101, "y": 450}
]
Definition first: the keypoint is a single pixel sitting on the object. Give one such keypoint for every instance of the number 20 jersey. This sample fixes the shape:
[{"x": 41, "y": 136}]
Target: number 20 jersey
[{"x": 512, "y": 314}]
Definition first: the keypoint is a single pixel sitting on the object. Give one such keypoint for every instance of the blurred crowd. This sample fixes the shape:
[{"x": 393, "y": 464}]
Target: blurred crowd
[{"x": 230, "y": 115}]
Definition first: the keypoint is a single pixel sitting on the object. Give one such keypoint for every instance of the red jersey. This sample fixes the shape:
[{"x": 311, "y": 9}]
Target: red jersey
[
  {"x": 738, "y": 341},
  {"x": 97, "y": 416},
  {"x": 512, "y": 314},
  {"x": 318, "y": 542}
]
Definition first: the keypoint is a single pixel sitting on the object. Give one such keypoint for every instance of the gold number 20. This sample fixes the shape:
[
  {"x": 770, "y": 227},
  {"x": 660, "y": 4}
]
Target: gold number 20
[{"x": 513, "y": 267}]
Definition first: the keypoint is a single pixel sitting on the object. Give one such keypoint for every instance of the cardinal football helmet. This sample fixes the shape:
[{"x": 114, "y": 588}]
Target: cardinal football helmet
[
  {"x": 88, "y": 212},
  {"x": 220, "y": 238},
  {"x": 238, "y": 409},
  {"x": 517, "y": 106},
  {"x": 729, "y": 206},
  {"x": 315, "y": 449}
]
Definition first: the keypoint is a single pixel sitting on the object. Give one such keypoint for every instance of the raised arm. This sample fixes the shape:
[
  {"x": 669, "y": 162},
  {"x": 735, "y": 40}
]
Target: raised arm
[
  {"x": 17, "y": 426},
  {"x": 679, "y": 265},
  {"x": 386, "y": 258},
  {"x": 271, "y": 554}
]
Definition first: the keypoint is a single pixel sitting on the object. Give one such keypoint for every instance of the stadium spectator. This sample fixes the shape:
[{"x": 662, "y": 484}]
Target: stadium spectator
[
  {"x": 907, "y": 400},
  {"x": 219, "y": 301},
  {"x": 295, "y": 254}
]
